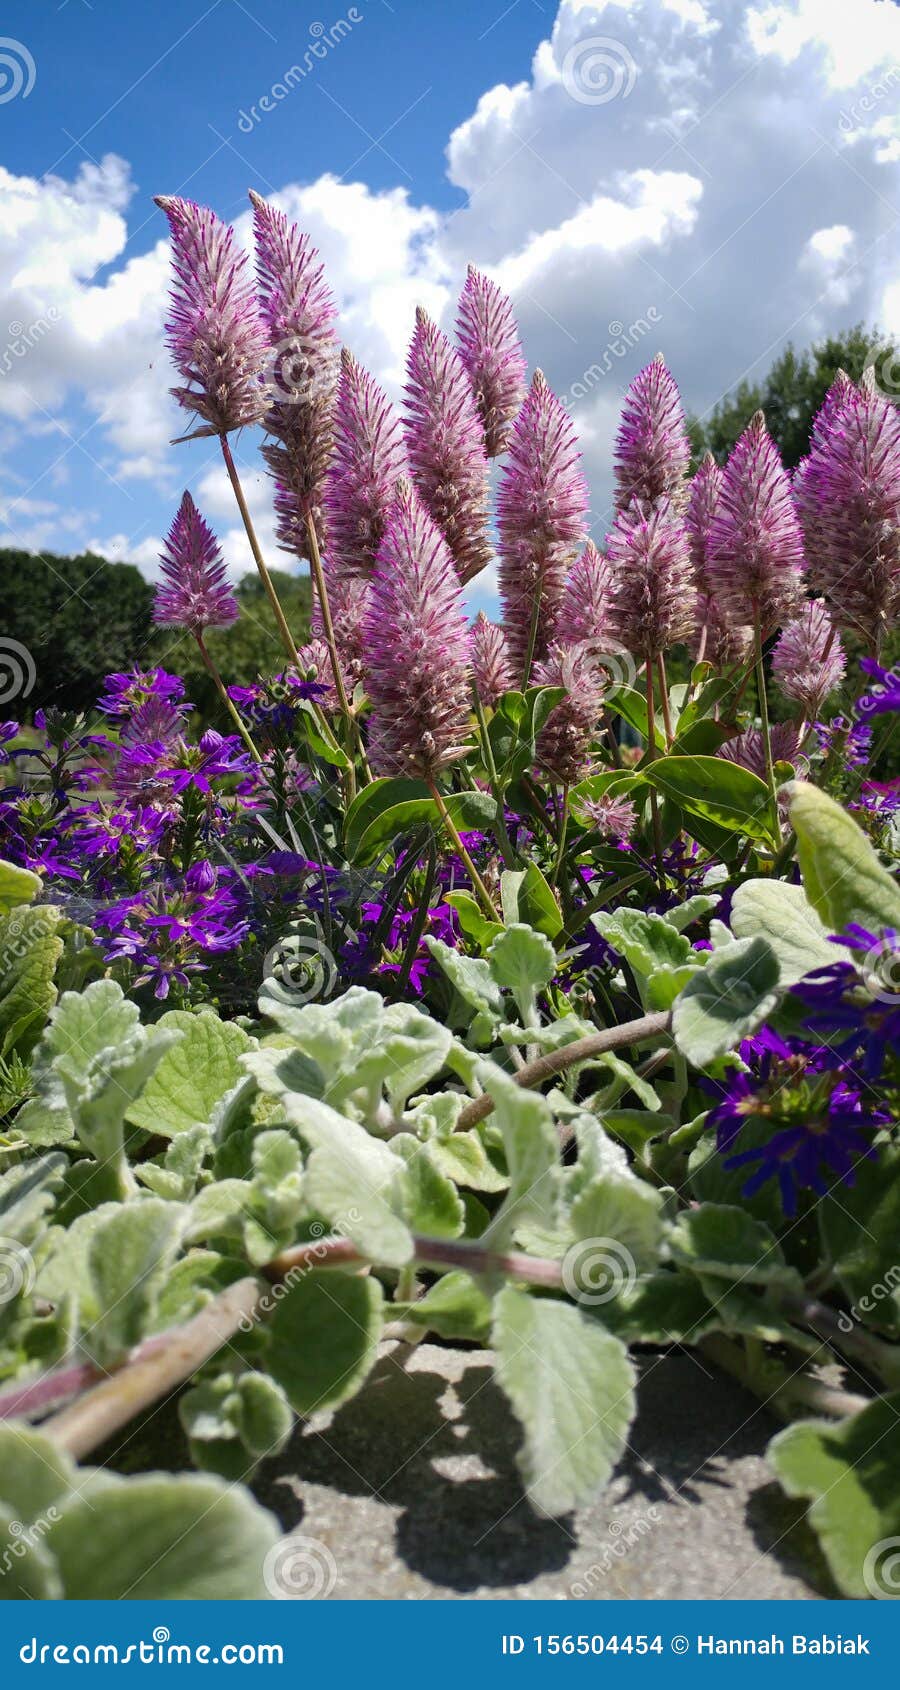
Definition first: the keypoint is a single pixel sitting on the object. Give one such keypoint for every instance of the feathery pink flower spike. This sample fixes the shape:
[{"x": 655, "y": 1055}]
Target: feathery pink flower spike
[
  {"x": 366, "y": 464},
  {"x": 491, "y": 351},
  {"x": 754, "y": 559},
  {"x": 584, "y": 611},
  {"x": 652, "y": 445},
  {"x": 808, "y": 660},
  {"x": 216, "y": 337},
  {"x": 445, "y": 445},
  {"x": 849, "y": 502},
  {"x": 193, "y": 593},
  {"x": 749, "y": 748},
  {"x": 653, "y": 598},
  {"x": 564, "y": 743},
  {"x": 491, "y": 668},
  {"x": 417, "y": 644},
  {"x": 299, "y": 314},
  {"x": 720, "y": 641},
  {"x": 542, "y": 510}
]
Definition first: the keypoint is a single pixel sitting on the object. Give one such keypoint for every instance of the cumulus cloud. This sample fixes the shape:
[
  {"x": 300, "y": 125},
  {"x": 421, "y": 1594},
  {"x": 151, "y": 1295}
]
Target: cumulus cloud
[{"x": 695, "y": 176}]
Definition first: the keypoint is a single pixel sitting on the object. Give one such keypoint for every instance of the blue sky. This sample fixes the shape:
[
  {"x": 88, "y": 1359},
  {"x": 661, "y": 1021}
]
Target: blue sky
[{"x": 706, "y": 177}]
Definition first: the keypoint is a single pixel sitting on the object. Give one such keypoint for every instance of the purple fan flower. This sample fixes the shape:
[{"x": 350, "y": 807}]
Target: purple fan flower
[
  {"x": 417, "y": 644},
  {"x": 491, "y": 352},
  {"x": 366, "y": 465},
  {"x": 299, "y": 313},
  {"x": 653, "y": 600},
  {"x": 749, "y": 750},
  {"x": 883, "y": 696},
  {"x": 216, "y": 336},
  {"x": 445, "y": 446},
  {"x": 652, "y": 445},
  {"x": 755, "y": 555},
  {"x": 851, "y": 742},
  {"x": 541, "y": 518},
  {"x": 849, "y": 501},
  {"x": 808, "y": 660},
  {"x": 584, "y": 614},
  {"x": 126, "y": 692},
  {"x": 564, "y": 743},
  {"x": 194, "y": 593},
  {"x": 491, "y": 668},
  {"x": 859, "y": 1002}
]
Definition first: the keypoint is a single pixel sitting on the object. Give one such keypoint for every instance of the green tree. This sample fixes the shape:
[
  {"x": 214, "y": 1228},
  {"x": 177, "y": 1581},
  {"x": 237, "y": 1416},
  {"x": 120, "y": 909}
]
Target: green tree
[
  {"x": 79, "y": 617},
  {"x": 793, "y": 391}
]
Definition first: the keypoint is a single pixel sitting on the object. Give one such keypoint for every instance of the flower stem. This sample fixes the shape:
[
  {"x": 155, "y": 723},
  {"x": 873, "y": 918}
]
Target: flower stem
[
  {"x": 228, "y": 702},
  {"x": 764, "y": 711},
  {"x": 487, "y": 902},
  {"x": 580, "y": 1050},
  {"x": 563, "y": 828},
  {"x": 500, "y": 827},
  {"x": 664, "y": 700},
  {"x": 318, "y": 574},
  {"x": 651, "y": 754},
  {"x": 266, "y": 579}
]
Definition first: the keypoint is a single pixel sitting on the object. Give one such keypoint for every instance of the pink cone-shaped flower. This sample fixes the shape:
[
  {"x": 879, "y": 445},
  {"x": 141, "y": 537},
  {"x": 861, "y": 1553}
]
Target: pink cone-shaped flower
[
  {"x": 808, "y": 661},
  {"x": 193, "y": 592},
  {"x": 299, "y": 314},
  {"x": 541, "y": 518},
  {"x": 366, "y": 464},
  {"x": 653, "y": 599},
  {"x": 849, "y": 500},
  {"x": 315, "y": 663},
  {"x": 445, "y": 445},
  {"x": 721, "y": 641},
  {"x": 215, "y": 334},
  {"x": 417, "y": 647},
  {"x": 755, "y": 553},
  {"x": 652, "y": 445},
  {"x": 584, "y": 611},
  {"x": 492, "y": 353},
  {"x": 348, "y": 601},
  {"x": 491, "y": 668},
  {"x": 749, "y": 750},
  {"x": 611, "y": 816},
  {"x": 564, "y": 743}
]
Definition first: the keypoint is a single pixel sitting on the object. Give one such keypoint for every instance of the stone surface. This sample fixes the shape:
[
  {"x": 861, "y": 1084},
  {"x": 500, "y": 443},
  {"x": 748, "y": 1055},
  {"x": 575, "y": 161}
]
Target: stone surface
[{"x": 410, "y": 1491}]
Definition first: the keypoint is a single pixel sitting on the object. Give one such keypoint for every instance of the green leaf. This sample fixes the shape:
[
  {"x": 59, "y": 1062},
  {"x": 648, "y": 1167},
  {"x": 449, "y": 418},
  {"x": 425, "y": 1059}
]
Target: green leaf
[
  {"x": 472, "y": 978},
  {"x": 647, "y": 942},
  {"x": 463, "y": 1157},
  {"x": 474, "y": 923},
  {"x": 233, "y": 1422},
  {"x": 128, "y": 1259},
  {"x": 625, "y": 1212},
  {"x": 432, "y": 1204},
  {"x": 531, "y": 1146},
  {"x": 860, "y": 1227},
  {"x": 852, "y": 1477},
  {"x": 726, "y": 1001},
  {"x": 718, "y": 791},
  {"x": 526, "y": 896},
  {"x": 525, "y": 962},
  {"x": 843, "y": 878},
  {"x": 29, "y": 953},
  {"x": 693, "y": 909},
  {"x": 783, "y": 915},
  {"x": 388, "y": 808},
  {"x": 193, "y": 1076},
  {"x": 355, "y": 1181},
  {"x": 324, "y": 1338},
  {"x": 28, "y": 1572},
  {"x": 663, "y": 1308},
  {"x": 158, "y": 1537},
  {"x": 455, "y": 1308},
  {"x": 34, "y": 1471},
  {"x": 571, "y": 1385},
  {"x": 721, "y": 1242},
  {"x": 17, "y": 886}
]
